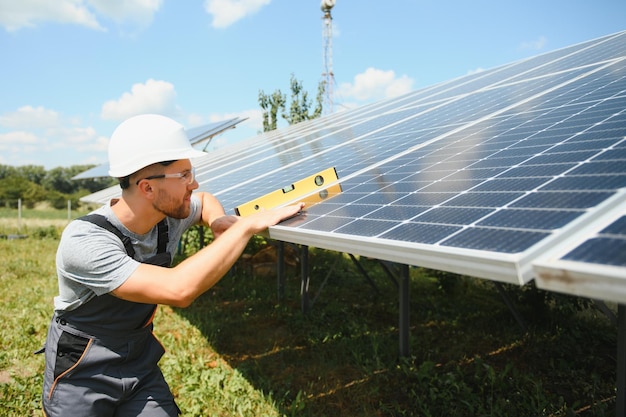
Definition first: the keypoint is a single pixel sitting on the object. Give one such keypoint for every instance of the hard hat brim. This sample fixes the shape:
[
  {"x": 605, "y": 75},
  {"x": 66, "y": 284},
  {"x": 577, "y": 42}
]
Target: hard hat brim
[{"x": 168, "y": 155}]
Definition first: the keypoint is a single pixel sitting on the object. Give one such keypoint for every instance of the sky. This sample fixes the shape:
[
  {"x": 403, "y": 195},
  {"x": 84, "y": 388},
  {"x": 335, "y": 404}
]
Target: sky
[{"x": 72, "y": 70}]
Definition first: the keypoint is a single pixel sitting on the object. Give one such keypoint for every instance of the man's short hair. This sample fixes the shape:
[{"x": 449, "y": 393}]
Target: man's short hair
[{"x": 125, "y": 181}]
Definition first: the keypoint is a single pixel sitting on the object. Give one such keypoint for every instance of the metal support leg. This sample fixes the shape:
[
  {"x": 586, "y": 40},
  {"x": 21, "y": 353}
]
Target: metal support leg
[
  {"x": 601, "y": 305},
  {"x": 280, "y": 270},
  {"x": 387, "y": 268},
  {"x": 323, "y": 284},
  {"x": 404, "y": 311},
  {"x": 304, "y": 277},
  {"x": 620, "y": 405},
  {"x": 364, "y": 273},
  {"x": 511, "y": 306},
  {"x": 201, "y": 234}
]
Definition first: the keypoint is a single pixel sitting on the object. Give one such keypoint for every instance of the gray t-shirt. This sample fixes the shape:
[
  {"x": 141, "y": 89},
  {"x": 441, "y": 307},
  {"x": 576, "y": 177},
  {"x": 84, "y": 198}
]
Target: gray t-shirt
[{"x": 92, "y": 261}]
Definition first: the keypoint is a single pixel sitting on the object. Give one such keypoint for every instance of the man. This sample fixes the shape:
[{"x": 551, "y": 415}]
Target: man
[{"x": 112, "y": 267}]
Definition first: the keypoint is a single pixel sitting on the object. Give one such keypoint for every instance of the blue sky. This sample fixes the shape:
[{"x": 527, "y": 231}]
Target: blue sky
[{"x": 72, "y": 70}]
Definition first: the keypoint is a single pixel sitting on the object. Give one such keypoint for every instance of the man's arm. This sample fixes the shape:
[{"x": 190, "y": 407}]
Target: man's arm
[
  {"x": 180, "y": 285},
  {"x": 213, "y": 214}
]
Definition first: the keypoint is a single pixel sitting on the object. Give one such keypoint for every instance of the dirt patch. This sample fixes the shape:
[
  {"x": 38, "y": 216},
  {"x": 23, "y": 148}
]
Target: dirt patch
[{"x": 5, "y": 377}]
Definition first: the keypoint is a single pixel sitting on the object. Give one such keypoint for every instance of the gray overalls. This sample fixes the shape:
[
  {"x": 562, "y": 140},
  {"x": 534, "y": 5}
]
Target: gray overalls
[{"x": 101, "y": 359}]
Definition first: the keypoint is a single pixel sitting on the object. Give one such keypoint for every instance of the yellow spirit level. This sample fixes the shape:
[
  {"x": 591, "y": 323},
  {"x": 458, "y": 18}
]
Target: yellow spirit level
[{"x": 309, "y": 190}]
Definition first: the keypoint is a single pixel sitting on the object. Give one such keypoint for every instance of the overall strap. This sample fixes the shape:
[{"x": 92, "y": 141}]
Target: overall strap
[
  {"x": 163, "y": 236},
  {"x": 102, "y": 221}
]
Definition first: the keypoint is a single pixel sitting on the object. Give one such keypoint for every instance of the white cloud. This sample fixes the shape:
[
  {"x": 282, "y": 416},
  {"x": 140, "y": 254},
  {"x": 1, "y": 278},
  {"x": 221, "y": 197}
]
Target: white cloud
[
  {"x": 37, "y": 125},
  {"x": 195, "y": 119},
  {"x": 475, "y": 71},
  {"x": 18, "y": 14},
  {"x": 155, "y": 96},
  {"x": 76, "y": 138},
  {"x": 375, "y": 84},
  {"x": 28, "y": 117},
  {"x": 17, "y": 138},
  {"x": 15, "y": 15},
  {"x": 39, "y": 131},
  {"x": 139, "y": 11},
  {"x": 535, "y": 45},
  {"x": 227, "y": 12}
]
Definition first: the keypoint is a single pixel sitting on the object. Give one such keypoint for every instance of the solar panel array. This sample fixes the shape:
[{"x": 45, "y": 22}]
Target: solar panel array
[{"x": 481, "y": 175}]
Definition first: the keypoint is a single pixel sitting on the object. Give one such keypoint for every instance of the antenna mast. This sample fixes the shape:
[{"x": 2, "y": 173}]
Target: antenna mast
[{"x": 327, "y": 34}]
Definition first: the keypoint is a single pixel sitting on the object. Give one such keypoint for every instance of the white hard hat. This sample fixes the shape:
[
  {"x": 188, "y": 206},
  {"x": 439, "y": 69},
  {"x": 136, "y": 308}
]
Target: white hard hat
[{"x": 147, "y": 139}]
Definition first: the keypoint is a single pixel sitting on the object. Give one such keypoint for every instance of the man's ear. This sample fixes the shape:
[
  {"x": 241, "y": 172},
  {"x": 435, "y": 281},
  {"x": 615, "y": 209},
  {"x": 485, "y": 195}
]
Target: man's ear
[{"x": 145, "y": 188}]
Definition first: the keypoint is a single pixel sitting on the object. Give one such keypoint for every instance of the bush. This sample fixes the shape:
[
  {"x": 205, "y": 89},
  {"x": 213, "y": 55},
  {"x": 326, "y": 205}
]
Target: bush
[
  {"x": 14, "y": 188},
  {"x": 50, "y": 232}
]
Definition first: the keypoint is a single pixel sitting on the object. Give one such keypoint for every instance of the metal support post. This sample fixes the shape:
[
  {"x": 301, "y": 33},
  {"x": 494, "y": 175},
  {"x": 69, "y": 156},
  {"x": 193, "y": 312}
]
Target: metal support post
[
  {"x": 201, "y": 236},
  {"x": 364, "y": 273},
  {"x": 620, "y": 404},
  {"x": 387, "y": 268},
  {"x": 280, "y": 270},
  {"x": 404, "y": 311},
  {"x": 304, "y": 277},
  {"x": 511, "y": 306},
  {"x": 601, "y": 305}
]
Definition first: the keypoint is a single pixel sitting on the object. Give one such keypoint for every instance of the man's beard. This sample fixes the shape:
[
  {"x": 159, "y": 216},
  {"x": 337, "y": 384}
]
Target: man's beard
[{"x": 167, "y": 205}]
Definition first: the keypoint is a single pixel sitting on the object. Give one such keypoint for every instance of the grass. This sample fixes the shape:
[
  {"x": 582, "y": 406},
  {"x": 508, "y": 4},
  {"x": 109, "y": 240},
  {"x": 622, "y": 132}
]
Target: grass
[
  {"x": 38, "y": 220},
  {"x": 237, "y": 351},
  {"x": 27, "y": 285}
]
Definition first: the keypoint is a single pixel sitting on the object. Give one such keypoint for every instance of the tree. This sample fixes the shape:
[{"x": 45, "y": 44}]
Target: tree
[
  {"x": 271, "y": 105},
  {"x": 33, "y": 184},
  {"x": 33, "y": 173},
  {"x": 299, "y": 109},
  {"x": 59, "y": 179},
  {"x": 7, "y": 171},
  {"x": 15, "y": 187}
]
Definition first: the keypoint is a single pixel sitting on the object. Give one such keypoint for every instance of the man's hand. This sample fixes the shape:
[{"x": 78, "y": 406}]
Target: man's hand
[
  {"x": 263, "y": 219},
  {"x": 221, "y": 224}
]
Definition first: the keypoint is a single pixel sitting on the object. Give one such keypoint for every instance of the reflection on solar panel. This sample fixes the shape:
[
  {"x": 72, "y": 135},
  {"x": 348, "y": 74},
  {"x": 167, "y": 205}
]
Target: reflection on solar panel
[{"x": 479, "y": 175}]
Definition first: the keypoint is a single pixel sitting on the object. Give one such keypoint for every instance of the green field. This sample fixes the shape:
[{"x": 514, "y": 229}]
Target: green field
[
  {"x": 30, "y": 221},
  {"x": 237, "y": 351}
]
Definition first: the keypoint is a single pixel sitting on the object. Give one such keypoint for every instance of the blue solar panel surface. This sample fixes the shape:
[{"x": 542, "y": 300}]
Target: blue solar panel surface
[
  {"x": 608, "y": 247},
  {"x": 498, "y": 161},
  {"x": 493, "y": 165}
]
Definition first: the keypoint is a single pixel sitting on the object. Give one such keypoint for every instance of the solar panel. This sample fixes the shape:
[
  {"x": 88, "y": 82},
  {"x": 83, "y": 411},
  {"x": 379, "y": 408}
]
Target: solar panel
[
  {"x": 479, "y": 175},
  {"x": 591, "y": 262},
  {"x": 503, "y": 187},
  {"x": 608, "y": 247}
]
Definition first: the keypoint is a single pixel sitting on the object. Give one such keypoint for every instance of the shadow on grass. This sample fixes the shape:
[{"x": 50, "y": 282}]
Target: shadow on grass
[{"x": 468, "y": 355}]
